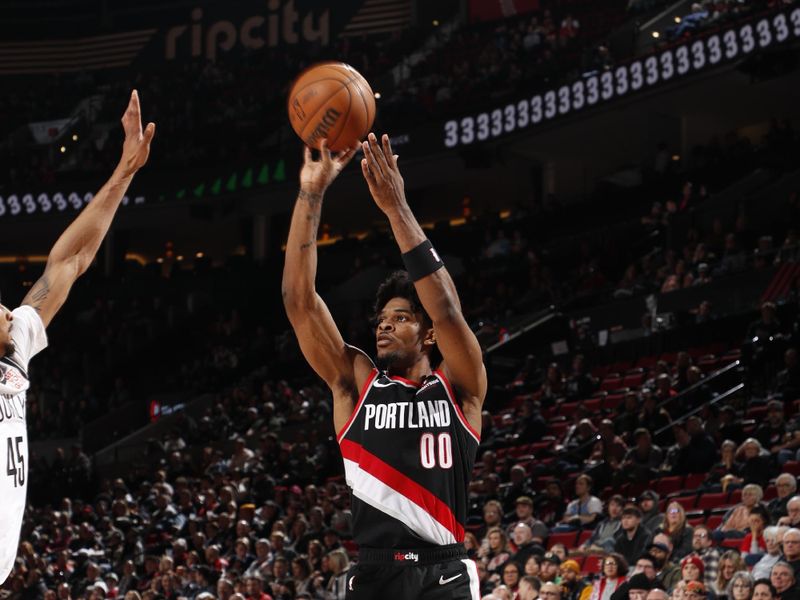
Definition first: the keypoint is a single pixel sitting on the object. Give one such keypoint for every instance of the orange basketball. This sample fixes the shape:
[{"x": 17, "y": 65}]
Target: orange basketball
[{"x": 331, "y": 100}]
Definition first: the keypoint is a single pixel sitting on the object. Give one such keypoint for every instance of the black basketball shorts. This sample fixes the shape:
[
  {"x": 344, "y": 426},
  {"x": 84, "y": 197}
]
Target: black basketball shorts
[{"x": 443, "y": 573}]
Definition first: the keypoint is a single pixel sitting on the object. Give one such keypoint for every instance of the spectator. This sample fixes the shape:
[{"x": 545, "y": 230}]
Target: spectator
[
  {"x": 737, "y": 519},
  {"x": 791, "y": 547},
  {"x": 651, "y": 517},
  {"x": 494, "y": 551},
  {"x": 695, "y": 590},
  {"x": 550, "y": 591},
  {"x": 615, "y": 568},
  {"x": 753, "y": 545},
  {"x": 773, "y": 537},
  {"x": 661, "y": 549},
  {"x": 511, "y": 575},
  {"x": 771, "y": 432},
  {"x": 524, "y": 543},
  {"x": 730, "y": 563},
  {"x": 584, "y": 511},
  {"x": 678, "y": 530},
  {"x": 571, "y": 583},
  {"x": 529, "y": 588},
  {"x": 550, "y": 505},
  {"x": 638, "y": 587},
  {"x": 783, "y": 580},
  {"x": 740, "y": 586},
  {"x": 602, "y": 538},
  {"x": 692, "y": 569},
  {"x": 523, "y": 513},
  {"x": 786, "y": 486},
  {"x": 644, "y": 459},
  {"x": 549, "y": 568},
  {"x": 792, "y": 518},
  {"x": 764, "y": 590},
  {"x": 632, "y": 538}
]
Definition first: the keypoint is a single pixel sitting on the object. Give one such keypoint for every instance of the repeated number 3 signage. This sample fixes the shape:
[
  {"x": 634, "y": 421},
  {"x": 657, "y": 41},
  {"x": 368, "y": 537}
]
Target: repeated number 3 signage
[{"x": 647, "y": 72}]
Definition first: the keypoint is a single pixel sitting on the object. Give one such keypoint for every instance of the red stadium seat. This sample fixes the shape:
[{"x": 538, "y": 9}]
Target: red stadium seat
[
  {"x": 694, "y": 481},
  {"x": 583, "y": 536},
  {"x": 731, "y": 543},
  {"x": 633, "y": 378},
  {"x": 611, "y": 382},
  {"x": 712, "y": 501},
  {"x": 770, "y": 493},
  {"x": 714, "y": 521},
  {"x": 792, "y": 467},
  {"x": 687, "y": 502},
  {"x": 567, "y": 538},
  {"x": 593, "y": 405},
  {"x": 668, "y": 485},
  {"x": 735, "y": 497},
  {"x": 613, "y": 401},
  {"x": 593, "y": 564},
  {"x": 756, "y": 412},
  {"x": 696, "y": 521}
]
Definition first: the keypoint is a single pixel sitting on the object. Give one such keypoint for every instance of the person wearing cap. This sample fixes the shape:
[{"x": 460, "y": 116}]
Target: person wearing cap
[
  {"x": 667, "y": 572},
  {"x": 648, "y": 504},
  {"x": 523, "y": 513},
  {"x": 695, "y": 590},
  {"x": 631, "y": 539},
  {"x": 571, "y": 583},
  {"x": 549, "y": 567},
  {"x": 692, "y": 568},
  {"x": 638, "y": 587}
]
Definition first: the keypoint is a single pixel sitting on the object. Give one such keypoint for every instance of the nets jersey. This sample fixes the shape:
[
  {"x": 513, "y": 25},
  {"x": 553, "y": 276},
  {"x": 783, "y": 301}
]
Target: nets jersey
[
  {"x": 29, "y": 337},
  {"x": 408, "y": 455}
]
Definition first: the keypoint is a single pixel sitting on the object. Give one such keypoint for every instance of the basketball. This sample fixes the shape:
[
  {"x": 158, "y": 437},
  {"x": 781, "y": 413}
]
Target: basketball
[{"x": 331, "y": 100}]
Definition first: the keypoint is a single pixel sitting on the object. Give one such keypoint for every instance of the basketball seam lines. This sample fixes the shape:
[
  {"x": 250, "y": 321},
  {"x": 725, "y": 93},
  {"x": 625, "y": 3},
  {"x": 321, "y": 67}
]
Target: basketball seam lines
[
  {"x": 345, "y": 85},
  {"x": 346, "y": 116},
  {"x": 366, "y": 108}
]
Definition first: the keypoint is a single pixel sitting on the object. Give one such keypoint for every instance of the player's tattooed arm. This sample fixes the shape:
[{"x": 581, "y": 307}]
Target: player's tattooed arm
[
  {"x": 77, "y": 246},
  {"x": 38, "y": 293}
]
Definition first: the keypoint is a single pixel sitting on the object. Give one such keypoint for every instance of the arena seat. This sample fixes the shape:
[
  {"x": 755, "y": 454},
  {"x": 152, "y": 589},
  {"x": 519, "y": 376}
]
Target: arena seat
[
  {"x": 792, "y": 467},
  {"x": 593, "y": 564},
  {"x": 668, "y": 485},
  {"x": 567, "y": 538},
  {"x": 693, "y": 481},
  {"x": 583, "y": 536},
  {"x": 687, "y": 502},
  {"x": 712, "y": 501},
  {"x": 714, "y": 521}
]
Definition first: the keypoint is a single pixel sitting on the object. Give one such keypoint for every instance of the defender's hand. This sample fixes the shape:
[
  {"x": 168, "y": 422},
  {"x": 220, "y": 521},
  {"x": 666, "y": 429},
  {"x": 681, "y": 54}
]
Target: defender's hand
[
  {"x": 379, "y": 166},
  {"x": 317, "y": 175},
  {"x": 136, "y": 147}
]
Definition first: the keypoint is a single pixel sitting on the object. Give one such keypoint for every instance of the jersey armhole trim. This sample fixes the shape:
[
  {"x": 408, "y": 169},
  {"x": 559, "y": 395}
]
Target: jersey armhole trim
[
  {"x": 452, "y": 397},
  {"x": 364, "y": 391}
]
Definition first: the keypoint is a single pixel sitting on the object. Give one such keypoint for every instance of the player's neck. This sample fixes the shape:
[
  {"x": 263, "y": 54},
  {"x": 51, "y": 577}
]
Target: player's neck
[{"x": 416, "y": 372}]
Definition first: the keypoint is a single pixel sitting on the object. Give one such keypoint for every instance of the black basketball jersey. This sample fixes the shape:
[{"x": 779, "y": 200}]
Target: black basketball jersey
[{"x": 408, "y": 455}]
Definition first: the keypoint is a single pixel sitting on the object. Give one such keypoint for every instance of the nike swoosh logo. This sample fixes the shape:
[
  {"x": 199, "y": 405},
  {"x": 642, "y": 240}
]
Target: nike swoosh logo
[
  {"x": 377, "y": 384},
  {"x": 443, "y": 581}
]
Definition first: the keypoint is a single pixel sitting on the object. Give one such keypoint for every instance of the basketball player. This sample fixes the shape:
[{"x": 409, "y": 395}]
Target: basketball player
[
  {"x": 22, "y": 331},
  {"x": 408, "y": 428}
]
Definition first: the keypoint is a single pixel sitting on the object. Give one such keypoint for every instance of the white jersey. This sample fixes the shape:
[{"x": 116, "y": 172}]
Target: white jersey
[{"x": 29, "y": 337}]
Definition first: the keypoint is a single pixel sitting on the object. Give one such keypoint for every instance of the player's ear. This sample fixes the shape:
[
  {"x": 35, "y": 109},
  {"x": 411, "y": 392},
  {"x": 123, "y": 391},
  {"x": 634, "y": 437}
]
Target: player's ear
[{"x": 430, "y": 338}]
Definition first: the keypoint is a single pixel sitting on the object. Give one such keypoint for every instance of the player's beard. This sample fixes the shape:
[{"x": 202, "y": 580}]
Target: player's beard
[
  {"x": 384, "y": 362},
  {"x": 9, "y": 349}
]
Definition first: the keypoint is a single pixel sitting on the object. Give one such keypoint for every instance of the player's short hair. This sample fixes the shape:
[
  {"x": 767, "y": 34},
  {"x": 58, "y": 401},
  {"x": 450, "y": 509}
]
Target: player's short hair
[{"x": 399, "y": 285}]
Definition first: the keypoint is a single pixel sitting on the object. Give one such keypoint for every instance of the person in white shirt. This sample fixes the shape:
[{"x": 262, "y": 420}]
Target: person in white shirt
[{"x": 22, "y": 331}]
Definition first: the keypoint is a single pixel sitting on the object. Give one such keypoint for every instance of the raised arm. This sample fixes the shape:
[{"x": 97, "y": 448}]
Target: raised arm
[
  {"x": 341, "y": 366},
  {"x": 463, "y": 360},
  {"x": 76, "y": 248}
]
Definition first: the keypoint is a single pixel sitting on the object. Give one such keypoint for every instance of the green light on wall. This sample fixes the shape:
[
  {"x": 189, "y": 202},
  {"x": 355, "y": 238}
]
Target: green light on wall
[
  {"x": 200, "y": 190},
  {"x": 263, "y": 175},
  {"x": 247, "y": 179},
  {"x": 232, "y": 183},
  {"x": 280, "y": 171},
  {"x": 216, "y": 186}
]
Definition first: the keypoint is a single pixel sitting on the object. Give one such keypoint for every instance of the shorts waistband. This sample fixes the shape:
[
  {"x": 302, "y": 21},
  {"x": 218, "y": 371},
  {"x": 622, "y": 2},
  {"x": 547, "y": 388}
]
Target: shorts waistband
[{"x": 411, "y": 557}]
